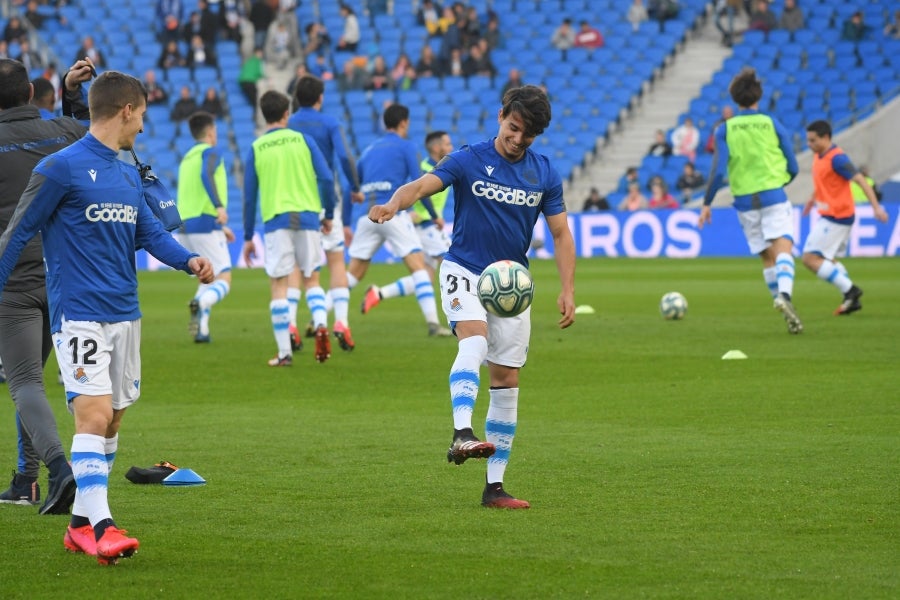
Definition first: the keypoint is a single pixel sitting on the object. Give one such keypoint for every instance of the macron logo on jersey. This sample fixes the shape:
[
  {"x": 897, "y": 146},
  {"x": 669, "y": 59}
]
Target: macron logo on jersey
[
  {"x": 489, "y": 169},
  {"x": 505, "y": 194},
  {"x": 93, "y": 174}
]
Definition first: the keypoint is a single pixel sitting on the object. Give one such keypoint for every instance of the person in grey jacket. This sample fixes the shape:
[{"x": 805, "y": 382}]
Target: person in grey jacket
[{"x": 25, "y": 343}]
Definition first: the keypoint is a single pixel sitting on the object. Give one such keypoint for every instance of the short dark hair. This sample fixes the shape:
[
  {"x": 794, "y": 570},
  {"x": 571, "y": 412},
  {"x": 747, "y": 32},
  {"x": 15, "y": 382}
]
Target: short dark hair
[
  {"x": 531, "y": 103},
  {"x": 274, "y": 105},
  {"x": 821, "y": 128},
  {"x": 14, "y": 90},
  {"x": 44, "y": 94},
  {"x": 745, "y": 88},
  {"x": 308, "y": 90},
  {"x": 112, "y": 91},
  {"x": 433, "y": 136},
  {"x": 394, "y": 115},
  {"x": 199, "y": 122}
]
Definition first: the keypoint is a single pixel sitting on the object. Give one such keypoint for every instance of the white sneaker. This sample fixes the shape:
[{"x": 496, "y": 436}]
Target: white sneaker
[{"x": 783, "y": 304}]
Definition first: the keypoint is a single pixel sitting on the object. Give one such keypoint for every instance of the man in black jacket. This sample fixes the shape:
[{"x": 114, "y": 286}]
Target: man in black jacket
[{"x": 25, "y": 343}]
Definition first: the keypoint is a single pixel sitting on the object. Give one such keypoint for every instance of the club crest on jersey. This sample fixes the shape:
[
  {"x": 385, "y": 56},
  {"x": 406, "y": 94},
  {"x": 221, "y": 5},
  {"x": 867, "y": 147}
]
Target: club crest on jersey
[
  {"x": 489, "y": 170},
  {"x": 506, "y": 194},
  {"x": 80, "y": 376},
  {"x": 455, "y": 305},
  {"x": 93, "y": 174}
]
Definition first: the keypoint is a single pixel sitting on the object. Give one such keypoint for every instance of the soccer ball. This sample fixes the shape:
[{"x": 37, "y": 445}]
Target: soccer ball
[
  {"x": 505, "y": 288},
  {"x": 673, "y": 306}
]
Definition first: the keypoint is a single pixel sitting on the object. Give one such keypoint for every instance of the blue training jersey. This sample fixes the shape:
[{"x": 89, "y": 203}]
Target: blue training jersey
[
  {"x": 328, "y": 134},
  {"x": 497, "y": 203},
  {"x": 89, "y": 207},
  {"x": 389, "y": 162}
]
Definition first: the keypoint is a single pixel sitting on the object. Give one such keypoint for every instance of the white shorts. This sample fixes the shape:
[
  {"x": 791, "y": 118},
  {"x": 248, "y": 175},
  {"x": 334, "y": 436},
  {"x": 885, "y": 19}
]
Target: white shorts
[
  {"x": 334, "y": 241},
  {"x": 97, "y": 359},
  {"x": 287, "y": 248},
  {"x": 828, "y": 239},
  {"x": 435, "y": 243},
  {"x": 507, "y": 337},
  {"x": 762, "y": 225},
  {"x": 211, "y": 245},
  {"x": 399, "y": 232}
]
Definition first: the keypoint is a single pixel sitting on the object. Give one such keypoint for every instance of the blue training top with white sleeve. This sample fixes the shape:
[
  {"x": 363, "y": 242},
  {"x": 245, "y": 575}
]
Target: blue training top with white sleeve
[
  {"x": 90, "y": 209},
  {"x": 497, "y": 203},
  {"x": 389, "y": 162}
]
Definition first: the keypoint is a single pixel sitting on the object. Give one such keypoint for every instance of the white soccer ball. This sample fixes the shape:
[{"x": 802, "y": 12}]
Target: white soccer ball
[
  {"x": 505, "y": 288},
  {"x": 673, "y": 306}
]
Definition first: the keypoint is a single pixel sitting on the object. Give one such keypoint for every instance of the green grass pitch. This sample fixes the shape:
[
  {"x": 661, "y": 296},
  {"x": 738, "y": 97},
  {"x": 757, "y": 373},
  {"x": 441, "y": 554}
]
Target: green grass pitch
[{"x": 654, "y": 468}]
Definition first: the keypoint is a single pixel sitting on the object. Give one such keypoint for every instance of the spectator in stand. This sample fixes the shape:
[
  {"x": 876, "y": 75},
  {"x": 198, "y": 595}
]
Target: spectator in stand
[
  {"x": 471, "y": 29},
  {"x": 588, "y": 37},
  {"x": 52, "y": 75},
  {"x": 356, "y": 74},
  {"x": 317, "y": 39},
  {"x": 209, "y": 23},
  {"x": 231, "y": 13},
  {"x": 428, "y": 15},
  {"x": 442, "y": 25},
  {"x": 564, "y": 37},
  {"x": 90, "y": 51},
  {"x": 595, "y": 202},
  {"x": 762, "y": 18},
  {"x": 662, "y": 11},
  {"x": 492, "y": 33},
  {"x": 791, "y": 17},
  {"x": 37, "y": 19},
  {"x": 169, "y": 15},
  {"x": 478, "y": 63},
  {"x": 689, "y": 182},
  {"x": 634, "y": 199},
  {"x": 349, "y": 39},
  {"x": 156, "y": 94},
  {"x": 455, "y": 63},
  {"x": 428, "y": 65},
  {"x": 660, "y": 146},
  {"x": 191, "y": 27},
  {"x": 727, "y": 113},
  {"x": 250, "y": 74},
  {"x": 278, "y": 45},
  {"x": 300, "y": 71},
  {"x": 185, "y": 107},
  {"x": 171, "y": 56},
  {"x": 408, "y": 80},
  {"x": 319, "y": 67},
  {"x": 399, "y": 70},
  {"x": 892, "y": 29},
  {"x": 729, "y": 9},
  {"x": 44, "y": 97},
  {"x": 28, "y": 57},
  {"x": 199, "y": 55},
  {"x": 661, "y": 198},
  {"x": 14, "y": 30},
  {"x": 452, "y": 38},
  {"x": 685, "y": 139},
  {"x": 637, "y": 14},
  {"x": 514, "y": 80},
  {"x": 630, "y": 176},
  {"x": 262, "y": 14},
  {"x": 212, "y": 103},
  {"x": 854, "y": 29},
  {"x": 379, "y": 76}
]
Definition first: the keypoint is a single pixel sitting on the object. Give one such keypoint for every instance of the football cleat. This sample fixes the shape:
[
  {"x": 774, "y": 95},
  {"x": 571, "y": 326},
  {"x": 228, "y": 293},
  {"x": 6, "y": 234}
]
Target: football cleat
[
  {"x": 371, "y": 299},
  {"x": 194, "y": 326},
  {"x": 61, "y": 494},
  {"x": 345, "y": 340},
  {"x": 851, "y": 302},
  {"x": 323, "y": 345},
  {"x": 296, "y": 340},
  {"x": 437, "y": 330},
  {"x": 783, "y": 304},
  {"x": 22, "y": 490},
  {"x": 201, "y": 339},
  {"x": 80, "y": 540},
  {"x": 494, "y": 496},
  {"x": 281, "y": 361},
  {"x": 115, "y": 545},
  {"x": 469, "y": 446}
]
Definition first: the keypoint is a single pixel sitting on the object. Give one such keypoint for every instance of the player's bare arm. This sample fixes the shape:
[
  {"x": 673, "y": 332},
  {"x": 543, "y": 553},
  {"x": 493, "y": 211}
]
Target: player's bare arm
[
  {"x": 249, "y": 252},
  {"x": 705, "y": 216},
  {"x": 564, "y": 252},
  {"x": 405, "y": 196}
]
